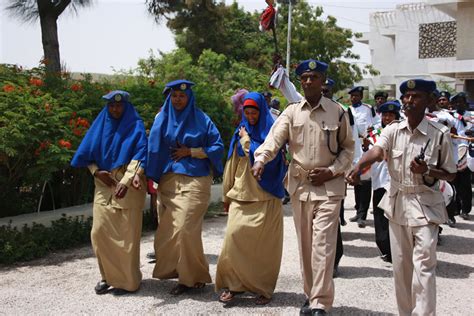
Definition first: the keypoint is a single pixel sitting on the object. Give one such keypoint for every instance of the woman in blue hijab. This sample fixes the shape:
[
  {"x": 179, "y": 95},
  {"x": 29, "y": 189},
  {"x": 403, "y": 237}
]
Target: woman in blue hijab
[
  {"x": 185, "y": 152},
  {"x": 114, "y": 149},
  {"x": 251, "y": 254}
]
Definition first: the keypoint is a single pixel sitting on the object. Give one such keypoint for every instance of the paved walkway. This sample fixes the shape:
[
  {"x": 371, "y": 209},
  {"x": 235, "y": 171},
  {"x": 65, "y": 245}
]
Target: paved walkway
[
  {"x": 63, "y": 283},
  {"x": 85, "y": 210}
]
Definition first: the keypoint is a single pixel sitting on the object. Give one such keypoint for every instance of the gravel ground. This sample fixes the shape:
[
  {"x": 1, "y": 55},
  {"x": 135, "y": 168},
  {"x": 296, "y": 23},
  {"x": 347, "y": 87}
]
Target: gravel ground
[{"x": 63, "y": 283}]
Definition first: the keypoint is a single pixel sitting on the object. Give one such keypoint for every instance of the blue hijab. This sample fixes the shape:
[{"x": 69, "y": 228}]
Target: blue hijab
[
  {"x": 110, "y": 142},
  {"x": 275, "y": 170},
  {"x": 190, "y": 127}
]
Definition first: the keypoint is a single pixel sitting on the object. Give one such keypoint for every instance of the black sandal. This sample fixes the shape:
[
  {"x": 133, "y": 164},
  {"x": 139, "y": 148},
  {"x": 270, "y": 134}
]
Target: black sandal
[
  {"x": 179, "y": 289},
  {"x": 101, "y": 287}
]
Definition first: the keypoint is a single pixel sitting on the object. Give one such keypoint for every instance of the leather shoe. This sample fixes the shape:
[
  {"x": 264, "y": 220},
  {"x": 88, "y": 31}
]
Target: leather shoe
[
  {"x": 361, "y": 223},
  {"x": 305, "y": 309},
  {"x": 101, "y": 287},
  {"x": 451, "y": 222},
  {"x": 318, "y": 311},
  {"x": 335, "y": 272},
  {"x": 343, "y": 222},
  {"x": 386, "y": 258},
  {"x": 354, "y": 218}
]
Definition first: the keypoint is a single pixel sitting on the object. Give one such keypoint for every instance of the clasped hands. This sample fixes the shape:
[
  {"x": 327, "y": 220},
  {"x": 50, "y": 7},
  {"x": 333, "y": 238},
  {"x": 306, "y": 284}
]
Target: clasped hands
[
  {"x": 317, "y": 176},
  {"x": 120, "y": 188}
]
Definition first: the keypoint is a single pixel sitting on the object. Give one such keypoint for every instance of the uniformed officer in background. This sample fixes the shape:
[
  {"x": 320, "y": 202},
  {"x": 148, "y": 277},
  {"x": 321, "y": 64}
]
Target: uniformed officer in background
[{"x": 418, "y": 154}]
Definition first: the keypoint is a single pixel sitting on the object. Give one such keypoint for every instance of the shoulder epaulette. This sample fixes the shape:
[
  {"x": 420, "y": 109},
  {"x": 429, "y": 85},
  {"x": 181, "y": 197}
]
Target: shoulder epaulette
[
  {"x": 394, "y": 121},
  {"x": 442, "y": 128}
]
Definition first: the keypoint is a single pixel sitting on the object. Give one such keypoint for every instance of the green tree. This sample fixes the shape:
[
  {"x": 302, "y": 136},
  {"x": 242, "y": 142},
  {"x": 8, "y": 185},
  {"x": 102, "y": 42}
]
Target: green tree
[
  {"x": 321, "y": 39},
  {"x": 224, "y": 29},
  {"x": 48, "y": 12}
]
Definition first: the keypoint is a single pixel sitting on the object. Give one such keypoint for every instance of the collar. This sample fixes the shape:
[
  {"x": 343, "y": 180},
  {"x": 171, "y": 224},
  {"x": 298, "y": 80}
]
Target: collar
[
  {"x": 322, "y": 103},
  {"x": 356, "y": 105},
  {"x": 422, "y": 127}
]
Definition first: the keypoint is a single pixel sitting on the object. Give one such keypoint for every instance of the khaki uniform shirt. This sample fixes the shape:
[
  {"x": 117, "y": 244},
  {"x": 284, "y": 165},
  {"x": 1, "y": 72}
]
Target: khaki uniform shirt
[
  {"x": 317, "y": 137},
  {"x": 409, "y": 201}
]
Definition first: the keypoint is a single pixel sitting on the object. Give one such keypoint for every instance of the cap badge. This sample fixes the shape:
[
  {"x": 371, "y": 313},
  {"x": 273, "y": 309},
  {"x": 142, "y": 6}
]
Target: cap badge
[
  {"x": 312, "y": 65},
  {"x": 411, "y": 84},
  {"x": 118, "y": 97},
  {"x": 183, "y": 86}
]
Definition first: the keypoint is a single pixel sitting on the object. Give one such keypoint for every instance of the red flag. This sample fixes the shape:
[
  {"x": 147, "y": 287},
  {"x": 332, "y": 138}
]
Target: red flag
[{"x": 267, "y": 19}]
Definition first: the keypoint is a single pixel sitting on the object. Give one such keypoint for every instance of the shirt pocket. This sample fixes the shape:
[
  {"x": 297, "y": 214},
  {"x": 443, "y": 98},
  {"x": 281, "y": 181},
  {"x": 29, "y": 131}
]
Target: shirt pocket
[
  {"x": 396, "y": 156},
  {"x": 432, "y": 157},
  {"x": 330, "y": 137},
  {"x": 297, "y": 134}
]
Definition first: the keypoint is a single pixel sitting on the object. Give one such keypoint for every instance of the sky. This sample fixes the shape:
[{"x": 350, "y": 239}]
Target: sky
[{"x": 114, "y": 34}]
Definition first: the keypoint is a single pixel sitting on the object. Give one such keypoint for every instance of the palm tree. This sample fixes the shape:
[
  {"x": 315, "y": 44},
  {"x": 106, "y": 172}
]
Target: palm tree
[{"x": 48, "y": 12}]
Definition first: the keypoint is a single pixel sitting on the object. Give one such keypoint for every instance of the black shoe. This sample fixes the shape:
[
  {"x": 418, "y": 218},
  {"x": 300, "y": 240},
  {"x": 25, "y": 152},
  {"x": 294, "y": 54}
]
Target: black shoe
[
  {"x": 361, "y": 223},
  {"x": 151, "y": 256},
  {"x": 451, "y": 222},
  {"x": 343, "y": 222},
  {"x": 318, "y": 311},
  {"x": 101, "y": 287},
  {"x": 335, "y": 272},
  {"x": 286, "y": 199},
  {"x": 386, "y": 258},
  {"x": 354, "y": 218},
  {"x": 305, "y": 309},
  {"x": 464, "y": 216},
  {"x": 119, "y": 292}
]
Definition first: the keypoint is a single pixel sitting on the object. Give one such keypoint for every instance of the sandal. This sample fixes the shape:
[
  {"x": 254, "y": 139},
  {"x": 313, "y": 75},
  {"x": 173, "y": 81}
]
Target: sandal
[
  {"x": 262, "y": 300},
  {"x": 227, "y": 296},
  {"x": 101, "y": 287},
  {"x": 199, "y": 285},
  {"x": 179, "y": 289}
]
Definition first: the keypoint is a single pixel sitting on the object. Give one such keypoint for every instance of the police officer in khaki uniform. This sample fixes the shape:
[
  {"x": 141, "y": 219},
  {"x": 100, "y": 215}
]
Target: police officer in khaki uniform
[
  {"x": 418, "y": 154},
  {"x": 320, "y": 142}
]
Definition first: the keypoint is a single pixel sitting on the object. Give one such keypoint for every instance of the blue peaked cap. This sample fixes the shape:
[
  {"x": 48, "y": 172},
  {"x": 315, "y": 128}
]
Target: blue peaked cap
[
  {"x": 311, "y": 65},
  {"x": 357, "y": 89},
  {"x": 457, "y": 96},
  {"x": 390, "y": 106},
  {"x": 418, "y": 84},
  {"x": 329, "y": 82},
  {"x": 445, "y": 94},
  {"x": 117, "y": 95},
  {"x": 180, "y": 84}
]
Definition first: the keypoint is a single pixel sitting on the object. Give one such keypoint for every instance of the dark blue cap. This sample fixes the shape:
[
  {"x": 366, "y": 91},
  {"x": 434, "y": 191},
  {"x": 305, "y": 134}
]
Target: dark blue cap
[
  {"x": 357, "y": 89},
  {"x": 267, "y": 94},
  {"x": 390, "y": 106},
  {"x": 117, "y": 96},
  {"x": 436, "y": 93},
  {"x": 382, "y": 94},
  {"x": 445, "y": 94},
  {"x": 311, "y": 65},
  {"x": 329, "y": 82},
  {"x": 457, "y": 96},
  {"x": 419, "y": 85},
  {"x": 180, "y": 84}
]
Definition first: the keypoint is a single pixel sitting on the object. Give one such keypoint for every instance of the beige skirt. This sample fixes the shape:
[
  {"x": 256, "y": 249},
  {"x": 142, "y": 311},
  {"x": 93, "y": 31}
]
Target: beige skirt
[
  {"x": 251, "y": 255},
  {"x": 178, "y": 243},
  {"x": 115, "y": 239}
]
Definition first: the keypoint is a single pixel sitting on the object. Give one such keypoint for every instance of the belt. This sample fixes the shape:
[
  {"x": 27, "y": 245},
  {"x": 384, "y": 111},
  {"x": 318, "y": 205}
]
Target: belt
[{"x": 408, "y": 188}]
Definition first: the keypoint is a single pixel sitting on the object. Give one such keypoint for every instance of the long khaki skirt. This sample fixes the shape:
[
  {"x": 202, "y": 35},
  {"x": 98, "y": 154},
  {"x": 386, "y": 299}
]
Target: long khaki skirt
[{"x": 251, "y": 255}]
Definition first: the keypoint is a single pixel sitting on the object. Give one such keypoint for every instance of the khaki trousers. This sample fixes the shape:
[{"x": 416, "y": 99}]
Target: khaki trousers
[
  {"x": 316, "y": 225},
  {"x": 414, "y": 264}
]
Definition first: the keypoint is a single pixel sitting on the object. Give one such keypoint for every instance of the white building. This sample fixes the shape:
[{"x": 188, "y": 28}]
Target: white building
[{"x": 431, "y": 40}]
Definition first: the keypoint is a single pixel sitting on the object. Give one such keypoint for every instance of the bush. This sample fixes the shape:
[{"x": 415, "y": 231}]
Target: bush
[{"x": 28, "y": 243}]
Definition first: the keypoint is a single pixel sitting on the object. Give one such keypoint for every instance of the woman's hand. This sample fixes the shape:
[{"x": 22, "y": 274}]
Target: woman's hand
[
  {"x": 120, "y": 190},
  {"x": 136, "y": 183},
  {"x": 105, "y": 177},
  {"x": 243, "y": 132},
  {"x": 180, "y": 152}
]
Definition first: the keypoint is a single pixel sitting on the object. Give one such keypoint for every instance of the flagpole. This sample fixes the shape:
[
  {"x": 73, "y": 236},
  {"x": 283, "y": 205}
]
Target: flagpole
[{"x": 288, "y": 39}]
